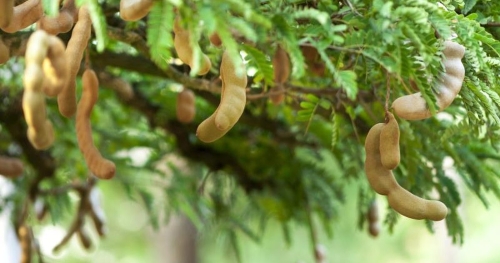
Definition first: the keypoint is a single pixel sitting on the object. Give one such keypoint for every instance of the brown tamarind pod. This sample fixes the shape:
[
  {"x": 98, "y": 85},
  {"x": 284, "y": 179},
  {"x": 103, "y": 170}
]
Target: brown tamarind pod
[
  {"x": 25, "y": 240},
  {"x": 6, "y": 12},
  {"x": 373, "y": 219},
  {"x": 98, "y": 165},
  {"x": 24, "y": 15},
  {"x": 233, "y": 95},
  {"x": 61, "y": 23},
  {"x": 40, "y": 130},
  {"x": 11, "y": 167},
  {"x": 185, "y": 107},
  {"x": 77, "y": 44},
  {"x": 208, "y": 132},
  {"x": 389, "y": 143},
  {"x": 312, "y": 60},
  {"x": 55, "y": 68},
  {"x": 4, "y": 52},
  {"x": 277, "y": 94},
  {"x": 382, "y": 181},
  {"x": 281, "y": 65},
  {"x": 185, "y": 50},
  {"x": 414, "y": 106},
  {"x": 215, "y": 40},
  {"x": 133, "y": 10}
]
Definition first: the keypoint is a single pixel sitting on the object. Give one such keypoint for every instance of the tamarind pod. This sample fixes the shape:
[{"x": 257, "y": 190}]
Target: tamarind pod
[
  {"x": 281, "y": 65},
  {"x": 208, "y": 132},
  {"x": 133, "y": 10},
  {"x": 84, "y": 238},
  {"x": 414, "y": 107},
  {"x": 389, "y": 143},
  {"x": 185, "y": 107},
  {"x": 233, "y": 94},
  {"x": 185, "y": 51},
  {"x": 215, "y": 40},
  {"x": 415, "y": 207},
  {"x": 117, "y": 84},
  {"x": 11, "y": 167},
  {"x": 383, "y": 182},
  {"x": 61, "y": 23},
  {"x": 24, "y": 15},
  {"x": 374, "y": 230},
  {"x": 80, "y": 36},
  {"x": 380, "y": 179},
  {"x": 4, "y": 52},
  {"x": 6, "y": 12},
  {"x": 55, "y": 67},
  {"x": 277, "y": 94},
  {"x": 98, "y": 165},
  {"x": 25, "y": 240},
  {"x": 372, "y": 214},
  {"x": 40, "y": 131}
]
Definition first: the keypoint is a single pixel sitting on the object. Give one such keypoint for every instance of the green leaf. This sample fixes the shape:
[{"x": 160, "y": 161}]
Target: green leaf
[
  {"x": 160, "y": 41},
  {"x": 99, "y": 24},
  {"x": 258, "y": 59},
  {"x": 50, "y": 7},
  {"x": 346, "y": 79}
]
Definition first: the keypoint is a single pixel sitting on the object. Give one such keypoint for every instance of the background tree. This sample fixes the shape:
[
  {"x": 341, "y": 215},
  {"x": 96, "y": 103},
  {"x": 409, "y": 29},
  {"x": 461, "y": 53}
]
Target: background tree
[{"x": 285, "y": 162}]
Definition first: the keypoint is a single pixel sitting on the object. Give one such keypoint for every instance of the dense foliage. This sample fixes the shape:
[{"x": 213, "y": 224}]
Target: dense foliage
[{"x": 288, "y": 162}]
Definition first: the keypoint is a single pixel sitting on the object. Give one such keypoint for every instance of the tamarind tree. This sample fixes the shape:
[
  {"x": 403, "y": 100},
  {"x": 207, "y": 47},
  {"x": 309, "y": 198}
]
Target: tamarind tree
[{"x": 318, "y": 74}]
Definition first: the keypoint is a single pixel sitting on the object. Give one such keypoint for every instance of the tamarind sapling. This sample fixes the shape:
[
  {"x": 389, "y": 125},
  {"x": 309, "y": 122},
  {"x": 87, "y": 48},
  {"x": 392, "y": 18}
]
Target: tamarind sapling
[
  {"x": 10, "y": 167},
  {"x": 24, "y": 15},
  {"x": 61, "y": 23},
  {"x": 182, "y": 45},
  {"x": 133, "y": 10},
  {"x": 233, "y": 95},
  {"x": 389, "y": 143},
  {"x": 382, "y": 181},
  {"x": 6, "y": 12},
  {"x": 215, "y": 40},
  {"x": 185, "y": 108},
  {"x": 77, "y": 44},
  {"x": 40, "y": 130},
  {"x": 4, "y": 52},
  {"x": 414, "y": 107},
  {"x": 98, "y": 165}
]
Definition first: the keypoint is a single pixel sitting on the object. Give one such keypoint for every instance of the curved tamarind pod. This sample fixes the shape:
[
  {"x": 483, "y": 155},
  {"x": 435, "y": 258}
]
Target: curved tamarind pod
[
  {"x": 61, "y": 23},
  {"x": 6, "y": 12},
  {"x": 233, "y": 96},
  {"x": 40, "y": 130},
  {"x": 383, "y": 182},
  {"x": 281, "y": 65},
  {"x": 185, "y": 51},
  {"x": 25, "y": 240},
  {"x": 55, "y": 68},
  {"x": 24, "y": 15},
  {"x": 215, "y": 40},
  {"x": 414, "y": 107},
  {"x": 98, "y": 165},
  {"x": 389, "y": 143},
  {"x": 133, "y": 10},
  {"x": 11, "y": 167},
  {"x": 4, "y": 52},
  {"x": 277, "y": 94},
  {"x": 80, "y": 36},
  {"x": 185, "y": 108},
  {"x": 207, "y": 130}
]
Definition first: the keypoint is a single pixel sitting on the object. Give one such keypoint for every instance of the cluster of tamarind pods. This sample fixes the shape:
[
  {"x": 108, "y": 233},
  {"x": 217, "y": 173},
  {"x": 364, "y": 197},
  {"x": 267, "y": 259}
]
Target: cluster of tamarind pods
[{"x": 382, "y": 141}]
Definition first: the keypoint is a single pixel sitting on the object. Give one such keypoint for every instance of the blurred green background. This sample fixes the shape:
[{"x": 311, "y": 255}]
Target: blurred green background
[{"x": 131, "y": 239}]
